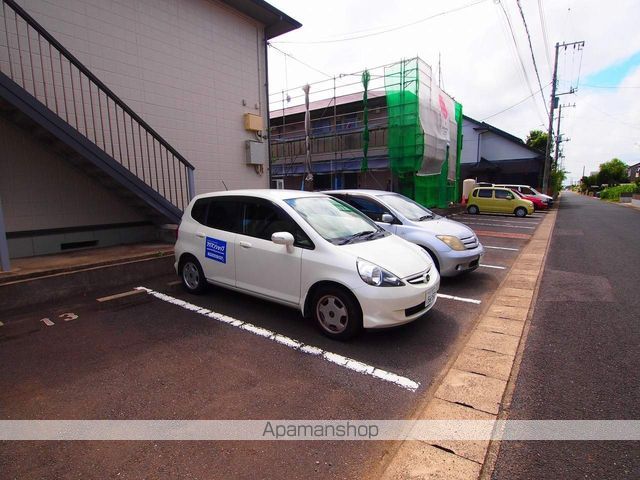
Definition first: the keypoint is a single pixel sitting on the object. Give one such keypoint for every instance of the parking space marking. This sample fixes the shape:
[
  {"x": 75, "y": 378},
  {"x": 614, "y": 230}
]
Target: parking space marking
[
  {"x": 466, "y": 222},
  {"x": 340, "y": 360},
  {"x": 501, "y": 223},
  {"x": 506, "y": 218},
  {"x": 497, "y": 267},
  {"x": 459, "y": 299},
  {"x": 119, "y": 295},
  {"x": 493, "y": 233},
  {"x": 502, "y": 248}
]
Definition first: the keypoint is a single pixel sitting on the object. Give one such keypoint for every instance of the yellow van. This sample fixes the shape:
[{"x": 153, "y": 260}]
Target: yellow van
[{"x": 498, "y": 200}]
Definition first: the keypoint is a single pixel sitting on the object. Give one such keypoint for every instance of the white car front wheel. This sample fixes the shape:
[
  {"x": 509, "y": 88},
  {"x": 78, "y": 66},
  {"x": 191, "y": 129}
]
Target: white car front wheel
[{"x": 336, "y": 313}]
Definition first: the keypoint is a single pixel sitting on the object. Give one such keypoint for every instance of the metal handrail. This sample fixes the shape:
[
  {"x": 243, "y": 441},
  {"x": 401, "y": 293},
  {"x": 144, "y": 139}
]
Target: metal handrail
[{"x": 162, "y": 163}]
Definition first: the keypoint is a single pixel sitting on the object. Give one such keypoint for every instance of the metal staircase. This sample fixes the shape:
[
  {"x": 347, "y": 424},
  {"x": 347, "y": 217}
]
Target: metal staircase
[{"x": 44, "y": 88}]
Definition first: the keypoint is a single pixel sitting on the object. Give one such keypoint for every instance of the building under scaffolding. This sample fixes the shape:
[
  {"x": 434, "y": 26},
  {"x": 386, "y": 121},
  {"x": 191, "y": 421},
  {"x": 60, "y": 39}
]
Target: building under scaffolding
[{"x": 388, "y": 128}]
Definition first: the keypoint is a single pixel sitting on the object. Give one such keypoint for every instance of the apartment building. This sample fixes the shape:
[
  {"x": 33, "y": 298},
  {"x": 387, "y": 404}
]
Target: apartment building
[{"x": 114, "y": 113}]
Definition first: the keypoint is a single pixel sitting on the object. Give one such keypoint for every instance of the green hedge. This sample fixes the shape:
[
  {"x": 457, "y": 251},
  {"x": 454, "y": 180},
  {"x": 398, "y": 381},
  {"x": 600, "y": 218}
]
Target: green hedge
[{"x": 613, "y": 193}]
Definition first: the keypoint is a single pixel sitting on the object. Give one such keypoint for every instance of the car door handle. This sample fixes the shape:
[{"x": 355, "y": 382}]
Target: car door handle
[
  {"x": 245, "y": 244},
  {"x": 199, "y": 234}
]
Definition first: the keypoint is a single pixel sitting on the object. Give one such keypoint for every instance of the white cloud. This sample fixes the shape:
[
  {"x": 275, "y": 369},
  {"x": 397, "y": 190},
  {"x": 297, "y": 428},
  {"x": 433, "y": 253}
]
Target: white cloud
[{"x": 480, "y": 67}]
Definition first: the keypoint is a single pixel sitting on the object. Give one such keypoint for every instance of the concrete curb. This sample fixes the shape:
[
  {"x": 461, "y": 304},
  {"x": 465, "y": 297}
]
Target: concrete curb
[
  {"x": 474, "y": 386},
  {"x": 54, "y": 287}
]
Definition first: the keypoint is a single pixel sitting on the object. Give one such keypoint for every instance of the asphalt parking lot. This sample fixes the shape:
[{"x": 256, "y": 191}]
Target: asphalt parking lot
[{"x": 147, "y": 355}]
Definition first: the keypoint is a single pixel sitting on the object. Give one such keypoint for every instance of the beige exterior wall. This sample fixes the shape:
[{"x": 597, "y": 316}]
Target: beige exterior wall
[
  {"x": 41, "y": 190},
  {"x": 189, "y": 68}
]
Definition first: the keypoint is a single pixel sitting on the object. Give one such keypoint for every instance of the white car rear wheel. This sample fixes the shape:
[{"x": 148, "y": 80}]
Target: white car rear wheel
[{"x": 192, "y": 276}]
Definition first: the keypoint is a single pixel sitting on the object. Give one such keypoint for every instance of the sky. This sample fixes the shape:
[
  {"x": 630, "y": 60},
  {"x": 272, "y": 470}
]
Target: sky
[{"x": 482, "y": 66}]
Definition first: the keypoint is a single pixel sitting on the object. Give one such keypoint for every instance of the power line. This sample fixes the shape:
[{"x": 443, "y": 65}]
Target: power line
[
  {"x": 515, "y": 42},
  {"x": 387, "y": 30},
  {"x": 514, "y": 105},
  {"x": 533, "y": 57},
  {"x": 299, "y": 61},
  {"x": 543, "y": 24}
]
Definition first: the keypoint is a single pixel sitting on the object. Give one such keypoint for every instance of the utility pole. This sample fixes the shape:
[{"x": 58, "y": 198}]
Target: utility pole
[
  {"x": 559, "y": 139},
  {"x": 552, "y": 106},
  {"x": 555, "y": 153}
]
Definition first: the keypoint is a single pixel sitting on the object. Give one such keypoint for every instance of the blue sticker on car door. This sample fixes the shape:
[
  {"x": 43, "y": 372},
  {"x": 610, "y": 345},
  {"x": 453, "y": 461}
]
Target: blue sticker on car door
[{"x": 216, "y": 249}]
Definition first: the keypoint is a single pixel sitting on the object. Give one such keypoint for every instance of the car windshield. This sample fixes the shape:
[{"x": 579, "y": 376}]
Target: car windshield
[
  {"x": 336, "y": 221},
  {"x": 408, "y": 208}
]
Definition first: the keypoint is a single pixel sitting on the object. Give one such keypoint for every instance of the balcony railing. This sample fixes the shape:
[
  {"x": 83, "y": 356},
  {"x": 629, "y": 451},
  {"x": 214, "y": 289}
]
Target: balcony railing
[{"x": 282, "y": 147}]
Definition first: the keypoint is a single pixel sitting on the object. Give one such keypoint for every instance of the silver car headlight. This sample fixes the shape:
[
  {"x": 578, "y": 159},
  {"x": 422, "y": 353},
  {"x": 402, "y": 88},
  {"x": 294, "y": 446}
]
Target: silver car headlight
[
  {"x": 454, "y": 243},
  {"x": 377, "y": 276}
]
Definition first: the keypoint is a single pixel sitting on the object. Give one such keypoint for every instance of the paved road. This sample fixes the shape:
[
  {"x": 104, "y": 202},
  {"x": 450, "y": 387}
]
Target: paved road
[
  {"x": 582, "y": 356},
  {"x": 138, "y": 357}
]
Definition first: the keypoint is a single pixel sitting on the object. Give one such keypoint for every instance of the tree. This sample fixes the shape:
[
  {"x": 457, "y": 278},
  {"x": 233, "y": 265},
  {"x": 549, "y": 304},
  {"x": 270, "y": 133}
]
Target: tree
[
  {"x": 613, "y": 172},
  {"x": 537, "y": 139}
]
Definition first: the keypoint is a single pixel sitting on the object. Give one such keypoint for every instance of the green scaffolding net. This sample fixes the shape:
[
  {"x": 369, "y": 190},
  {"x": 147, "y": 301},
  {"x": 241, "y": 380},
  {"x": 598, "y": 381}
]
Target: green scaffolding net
[
  {"x": 405, "y": 141},
  {"x": 411, "y": 150},
  {"x": 439, "y": 190}
]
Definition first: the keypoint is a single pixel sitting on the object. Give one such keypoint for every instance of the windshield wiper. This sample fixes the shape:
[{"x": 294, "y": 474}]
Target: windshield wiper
[
  {"x": 359, "y": 235},
  {"x": 425, "y": 217}
]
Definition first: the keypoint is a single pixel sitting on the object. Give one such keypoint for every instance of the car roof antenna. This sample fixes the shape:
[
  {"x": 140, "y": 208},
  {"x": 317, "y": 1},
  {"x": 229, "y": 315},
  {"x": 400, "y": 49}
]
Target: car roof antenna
[{"x": 225, "y": 185}]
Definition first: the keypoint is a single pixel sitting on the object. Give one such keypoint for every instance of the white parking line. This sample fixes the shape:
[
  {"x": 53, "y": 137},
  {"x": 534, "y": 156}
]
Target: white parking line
[
  {"x": 501, "y": 248},
  {"x": 460, "y": 299},
  {"x": 466, "y": 222},
  {"x": 487, "y": 218},
  {"x": 498, "y": 267},
  {"x": 118, "y": 295},
  {"x": 334, "y": 358},
  {"x": 519, "y": 221}
]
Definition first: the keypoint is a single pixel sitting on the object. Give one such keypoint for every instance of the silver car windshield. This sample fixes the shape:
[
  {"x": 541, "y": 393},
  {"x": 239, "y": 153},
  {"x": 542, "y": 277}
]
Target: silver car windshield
[
  {"x": 336, "y": 221},
  {"x": 408, "y": 208}
]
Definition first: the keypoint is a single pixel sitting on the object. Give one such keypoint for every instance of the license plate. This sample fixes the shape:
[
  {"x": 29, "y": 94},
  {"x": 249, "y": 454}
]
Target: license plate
[{"x": 430, "y": 297}]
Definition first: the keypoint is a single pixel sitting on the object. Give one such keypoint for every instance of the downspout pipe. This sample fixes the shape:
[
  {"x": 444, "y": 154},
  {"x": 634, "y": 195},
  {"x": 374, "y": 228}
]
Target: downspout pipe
[
  {"x": 5, "y": 265},
  {"x": 266, "y": 86}
]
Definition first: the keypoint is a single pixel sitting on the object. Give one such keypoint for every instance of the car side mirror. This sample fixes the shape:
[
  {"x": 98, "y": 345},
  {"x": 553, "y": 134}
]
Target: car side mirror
[
  {"x": 283, "y": 238},
  {"x": 509, "y": 197},
  {"x": 387, "y": 218}
]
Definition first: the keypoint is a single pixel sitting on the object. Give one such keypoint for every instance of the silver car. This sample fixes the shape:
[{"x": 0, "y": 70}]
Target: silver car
[{"x": 453, "y": 246}]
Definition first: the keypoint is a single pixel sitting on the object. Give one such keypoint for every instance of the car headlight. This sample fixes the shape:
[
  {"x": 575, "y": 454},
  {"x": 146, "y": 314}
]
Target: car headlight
[
  {"x": 377, "y": 276},
  {"x": 454, "y": 243}
]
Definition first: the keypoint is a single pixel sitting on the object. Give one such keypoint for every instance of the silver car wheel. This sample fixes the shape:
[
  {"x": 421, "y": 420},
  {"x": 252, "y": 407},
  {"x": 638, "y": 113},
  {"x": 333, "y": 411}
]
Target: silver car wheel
[
  {"x": 332, "y": 314},
  {"x": 191, "y": 275}
]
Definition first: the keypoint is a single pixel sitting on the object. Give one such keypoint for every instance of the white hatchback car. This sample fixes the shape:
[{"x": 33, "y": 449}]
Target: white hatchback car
[
  {"x": 305, "y": 250},
  {"x": 454, "y": 247}
]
